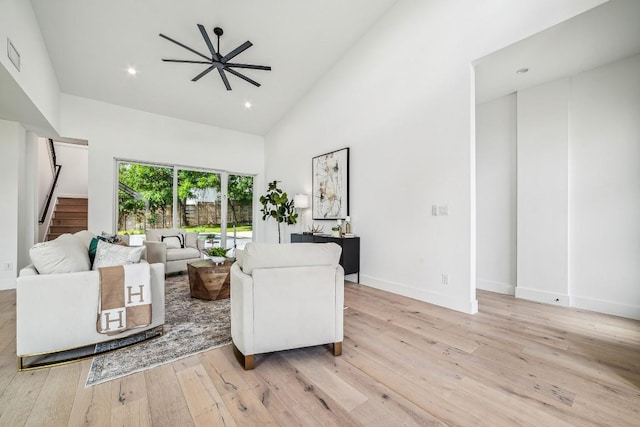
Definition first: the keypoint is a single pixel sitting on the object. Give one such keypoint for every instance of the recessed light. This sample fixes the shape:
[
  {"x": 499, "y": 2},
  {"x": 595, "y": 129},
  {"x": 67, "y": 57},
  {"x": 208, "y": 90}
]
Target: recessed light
[
  {"x": 247, "y": 105},
  {"x": 132, "y": 71},
  {"x": 522, "y": 71}
]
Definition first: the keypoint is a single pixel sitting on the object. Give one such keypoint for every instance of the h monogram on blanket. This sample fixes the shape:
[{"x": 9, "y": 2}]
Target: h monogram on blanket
[{"x": 125, "y": 298}]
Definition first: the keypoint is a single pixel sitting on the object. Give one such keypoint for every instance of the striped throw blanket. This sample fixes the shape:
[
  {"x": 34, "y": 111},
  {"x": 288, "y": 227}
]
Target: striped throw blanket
[{"x": 125, "y": 298}]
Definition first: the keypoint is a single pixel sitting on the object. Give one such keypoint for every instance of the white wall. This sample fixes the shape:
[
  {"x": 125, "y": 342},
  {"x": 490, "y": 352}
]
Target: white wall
[
  {"x": 36, "y": 76},
  {"x": 403, "y": 100},
  {"x": 12, "y": 141},
  {"x": 117, "y": 132},
  {"x": 496, "y": 194},
  {"x": 578, "y": 190},
  {"x": 74, "y": 176},
  {"x": 27, "y": 193},
  {"x": 604, "y": 182},
  {"x": 543, "y": 198}
]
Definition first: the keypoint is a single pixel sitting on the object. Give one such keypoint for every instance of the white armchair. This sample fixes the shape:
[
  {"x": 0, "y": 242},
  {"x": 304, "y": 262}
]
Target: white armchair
[
  {"x": 286, "y": 296},
  {"x": 172, "y": 247}
]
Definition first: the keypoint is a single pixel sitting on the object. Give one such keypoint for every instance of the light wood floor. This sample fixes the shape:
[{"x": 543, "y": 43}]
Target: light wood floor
[{"x": 404, "y": 363}]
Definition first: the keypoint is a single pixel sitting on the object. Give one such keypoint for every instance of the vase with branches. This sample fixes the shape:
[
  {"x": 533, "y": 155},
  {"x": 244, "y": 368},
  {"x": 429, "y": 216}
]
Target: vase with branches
[{"x": 276, "y": 205}]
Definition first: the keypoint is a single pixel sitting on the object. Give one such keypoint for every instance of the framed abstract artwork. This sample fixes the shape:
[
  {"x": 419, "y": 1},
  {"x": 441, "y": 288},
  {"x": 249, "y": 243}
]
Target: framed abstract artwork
[{"x": 330, "y": 183}]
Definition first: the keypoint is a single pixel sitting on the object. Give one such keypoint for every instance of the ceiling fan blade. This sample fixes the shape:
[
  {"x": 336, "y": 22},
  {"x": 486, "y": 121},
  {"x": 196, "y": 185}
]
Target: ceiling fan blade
[
  {"x": 207, "y": 40},
  {"x": 185, "y": 60},
  {"x": 237, "y": 51},
  {"x": 242, "y": 76},
  {"x": 253, "y": 67},
  {"x": 202, "y": 74},
  {"x": 186, "y": 47},
  {"x": 224, "y": 78}
]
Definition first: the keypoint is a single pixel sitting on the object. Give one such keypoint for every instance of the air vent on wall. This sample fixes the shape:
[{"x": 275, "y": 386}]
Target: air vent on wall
[{"x": 13, "y": 54}]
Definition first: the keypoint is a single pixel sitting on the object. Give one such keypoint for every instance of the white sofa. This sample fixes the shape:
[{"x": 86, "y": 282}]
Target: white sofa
[
  {"x": 286, "y": 296},
  {"x": 174, "y": 259},
  {"x": 58, "y": 312}
]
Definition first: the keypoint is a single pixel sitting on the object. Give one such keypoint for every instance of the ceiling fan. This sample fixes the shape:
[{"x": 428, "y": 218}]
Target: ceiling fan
[{"x": 216, "y": 60}]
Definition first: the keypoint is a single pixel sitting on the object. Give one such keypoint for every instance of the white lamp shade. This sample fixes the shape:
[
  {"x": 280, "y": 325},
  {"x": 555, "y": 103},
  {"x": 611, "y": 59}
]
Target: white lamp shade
[{"x": 301, "y": 201}]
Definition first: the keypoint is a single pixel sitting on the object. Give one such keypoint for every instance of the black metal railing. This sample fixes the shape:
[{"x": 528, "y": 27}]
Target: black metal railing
[{"x": 56, "y": 173}]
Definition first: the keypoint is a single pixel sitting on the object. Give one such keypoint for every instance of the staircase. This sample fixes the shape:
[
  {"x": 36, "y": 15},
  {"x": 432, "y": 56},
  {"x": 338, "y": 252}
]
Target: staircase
[{"x": 70, "y": 216}]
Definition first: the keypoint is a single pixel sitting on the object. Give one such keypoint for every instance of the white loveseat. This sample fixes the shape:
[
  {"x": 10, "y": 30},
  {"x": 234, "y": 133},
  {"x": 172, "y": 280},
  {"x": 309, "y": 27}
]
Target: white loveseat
[
  {"x": 58, "y": 312},
  {"x": 286, "y": 296},
  {"x": 163, "y": 247}
]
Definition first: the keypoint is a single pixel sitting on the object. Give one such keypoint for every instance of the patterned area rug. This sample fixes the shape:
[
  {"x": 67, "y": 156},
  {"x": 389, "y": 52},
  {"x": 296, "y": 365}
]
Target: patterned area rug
[{"x": 191, "y": 326}]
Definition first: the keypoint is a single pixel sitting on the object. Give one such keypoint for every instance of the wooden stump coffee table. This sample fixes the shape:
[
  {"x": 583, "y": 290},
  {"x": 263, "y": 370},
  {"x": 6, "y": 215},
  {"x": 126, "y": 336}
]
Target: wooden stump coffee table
[{"x": 208, "y": 280}]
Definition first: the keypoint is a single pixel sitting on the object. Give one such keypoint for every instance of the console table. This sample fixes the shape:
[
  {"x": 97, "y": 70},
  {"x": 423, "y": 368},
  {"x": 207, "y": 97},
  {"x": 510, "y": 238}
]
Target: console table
[{"x": 350, "y": 257}]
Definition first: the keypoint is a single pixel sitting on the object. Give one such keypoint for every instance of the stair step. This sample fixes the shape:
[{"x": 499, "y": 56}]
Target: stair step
[
  {"x": 61, "y": 229},
  {"x": 69, "y": 215},
  {"x": 72, "y": 201},
  {"x": 71, "y": 208},
  {"x": 76, "y": 222}
]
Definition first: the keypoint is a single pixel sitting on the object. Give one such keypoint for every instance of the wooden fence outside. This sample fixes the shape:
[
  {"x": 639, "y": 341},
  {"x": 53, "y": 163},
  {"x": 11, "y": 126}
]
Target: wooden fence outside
[{"x": 200, "y": 214}]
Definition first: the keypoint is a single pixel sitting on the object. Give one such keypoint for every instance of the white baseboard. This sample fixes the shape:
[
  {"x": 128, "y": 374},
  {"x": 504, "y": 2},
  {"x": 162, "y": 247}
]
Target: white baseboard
[
  {"x": 542, "y": 296},
  {"x": 351, "y": 277},
  {"x": 493, "y": 286},
  {"x": 607, "y": 307},
  {"x": 469, "y": 307},
  {"x": 7, "y": 284}
]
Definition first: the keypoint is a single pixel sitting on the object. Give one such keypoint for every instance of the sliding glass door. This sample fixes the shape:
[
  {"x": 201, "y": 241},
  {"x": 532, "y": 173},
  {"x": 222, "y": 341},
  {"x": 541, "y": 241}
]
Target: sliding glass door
[
  {"x": 239, "y": 211},
  {"x": 217, "y": 205}
]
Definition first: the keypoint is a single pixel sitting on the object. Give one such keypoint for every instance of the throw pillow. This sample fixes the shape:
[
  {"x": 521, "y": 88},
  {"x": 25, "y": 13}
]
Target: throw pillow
[
  {"x": 109, "y": 237},
  {"x": 66, "y": 254},
  {"x": 85, "y": 237},
  {"x": 173, "y": 242},
  {"x": 191, "y": 240},
  {"x": 108, "y": 255},
  {"x": 93, "y": 247}
]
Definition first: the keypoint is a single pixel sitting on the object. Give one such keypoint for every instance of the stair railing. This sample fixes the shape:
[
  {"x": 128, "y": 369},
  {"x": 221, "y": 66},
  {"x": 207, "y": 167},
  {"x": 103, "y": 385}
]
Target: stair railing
[{"x": 56, "y": 168}]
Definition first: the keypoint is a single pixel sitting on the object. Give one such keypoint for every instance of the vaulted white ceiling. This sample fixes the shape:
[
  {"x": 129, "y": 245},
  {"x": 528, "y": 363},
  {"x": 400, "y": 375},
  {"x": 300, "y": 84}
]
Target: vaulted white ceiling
[{"x": 91, "y": 44}]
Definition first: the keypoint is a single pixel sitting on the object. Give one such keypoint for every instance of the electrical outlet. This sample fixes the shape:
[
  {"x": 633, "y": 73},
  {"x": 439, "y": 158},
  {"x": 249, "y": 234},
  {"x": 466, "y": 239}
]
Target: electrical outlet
[
  {"x": 443, "y": 210},
  {"x": 434, "y": 210},
  {"x": 7, "y": 266},
  {"x": 445, "y": 279}
]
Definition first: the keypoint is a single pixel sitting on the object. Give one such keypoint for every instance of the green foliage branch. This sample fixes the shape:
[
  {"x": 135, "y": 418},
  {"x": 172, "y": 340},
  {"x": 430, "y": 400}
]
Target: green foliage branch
[{"x": 276, "y": 205}]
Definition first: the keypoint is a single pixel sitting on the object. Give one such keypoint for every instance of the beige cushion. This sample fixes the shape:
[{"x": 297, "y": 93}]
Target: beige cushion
[
  {"x": 268, "y": 255},
  {"x": 108, "y": 255},
  {"x": 66, "y": 254},
  {"x": 185, "y": 253}
]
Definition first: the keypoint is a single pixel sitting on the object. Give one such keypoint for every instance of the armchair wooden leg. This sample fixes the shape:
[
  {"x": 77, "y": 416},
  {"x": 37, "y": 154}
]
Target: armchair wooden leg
[
  {"x": 337, "y": 348},
  {"x": 247, "y": 362}
]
